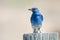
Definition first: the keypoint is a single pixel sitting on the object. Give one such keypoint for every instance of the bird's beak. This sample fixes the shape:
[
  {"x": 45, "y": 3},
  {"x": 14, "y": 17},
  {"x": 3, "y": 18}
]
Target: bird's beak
[{"x": 30, "y": 9}]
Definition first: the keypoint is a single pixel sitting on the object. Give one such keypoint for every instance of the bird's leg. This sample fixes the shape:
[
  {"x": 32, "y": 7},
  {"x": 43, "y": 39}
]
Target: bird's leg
[
  {"x": 35, "y": 30},
  {"x": 39, "y": 30}
]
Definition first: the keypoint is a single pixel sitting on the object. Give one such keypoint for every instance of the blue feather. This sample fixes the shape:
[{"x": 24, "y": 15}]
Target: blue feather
[{"x": 36, "y": 18}]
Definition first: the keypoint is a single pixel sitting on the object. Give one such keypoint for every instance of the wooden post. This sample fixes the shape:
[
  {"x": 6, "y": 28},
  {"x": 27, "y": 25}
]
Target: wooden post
[{"x": 41, "y": 36}]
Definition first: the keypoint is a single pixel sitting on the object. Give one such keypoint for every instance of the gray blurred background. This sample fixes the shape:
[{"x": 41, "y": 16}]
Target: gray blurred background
[{"x": 15, "y": 17}]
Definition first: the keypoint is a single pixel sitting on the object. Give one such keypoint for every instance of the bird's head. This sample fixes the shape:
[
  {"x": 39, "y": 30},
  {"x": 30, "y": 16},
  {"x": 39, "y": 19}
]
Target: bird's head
[{"x": 34, "y": 10}]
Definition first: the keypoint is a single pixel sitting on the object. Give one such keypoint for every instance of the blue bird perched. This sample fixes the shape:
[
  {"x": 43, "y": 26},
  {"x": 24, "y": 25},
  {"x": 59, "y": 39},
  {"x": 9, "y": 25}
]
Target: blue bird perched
[{"x": 36, "y": 19}]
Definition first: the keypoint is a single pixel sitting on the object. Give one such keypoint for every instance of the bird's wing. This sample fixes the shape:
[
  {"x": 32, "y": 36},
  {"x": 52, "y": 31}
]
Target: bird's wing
[{"x": 42, "y": 17}]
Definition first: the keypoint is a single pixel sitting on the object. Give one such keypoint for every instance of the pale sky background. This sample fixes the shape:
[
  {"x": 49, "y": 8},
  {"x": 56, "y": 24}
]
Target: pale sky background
[{"x": 15, "y": 17}]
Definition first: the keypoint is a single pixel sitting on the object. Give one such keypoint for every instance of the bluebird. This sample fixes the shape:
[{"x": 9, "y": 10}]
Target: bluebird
[{"x": 36, "y": 19}]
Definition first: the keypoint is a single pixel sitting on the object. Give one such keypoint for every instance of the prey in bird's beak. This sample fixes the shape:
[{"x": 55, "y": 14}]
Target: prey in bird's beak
[{"x": 30, "y": 9}]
